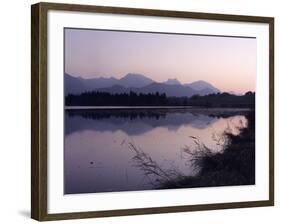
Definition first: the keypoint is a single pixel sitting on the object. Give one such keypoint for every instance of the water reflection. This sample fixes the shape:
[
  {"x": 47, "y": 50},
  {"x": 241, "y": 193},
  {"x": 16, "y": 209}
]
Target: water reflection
[{"x": 97, "y": 154}]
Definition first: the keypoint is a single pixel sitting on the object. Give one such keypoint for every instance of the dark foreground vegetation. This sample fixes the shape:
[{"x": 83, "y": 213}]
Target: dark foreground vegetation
[
  {"x": 157, "y": 99},
  {"x": 235, "y": 165}
]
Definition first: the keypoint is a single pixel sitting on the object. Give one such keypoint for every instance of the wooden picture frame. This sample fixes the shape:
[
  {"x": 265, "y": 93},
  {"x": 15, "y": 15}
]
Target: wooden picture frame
[{"x": 39, "y": 110}]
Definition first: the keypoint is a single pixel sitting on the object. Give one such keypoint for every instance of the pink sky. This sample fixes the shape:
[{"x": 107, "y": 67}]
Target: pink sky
[{"x": 229, "y": 63}]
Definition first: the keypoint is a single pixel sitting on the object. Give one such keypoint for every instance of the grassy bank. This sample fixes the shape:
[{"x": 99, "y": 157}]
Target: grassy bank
[{"x": 235, "y": 165}]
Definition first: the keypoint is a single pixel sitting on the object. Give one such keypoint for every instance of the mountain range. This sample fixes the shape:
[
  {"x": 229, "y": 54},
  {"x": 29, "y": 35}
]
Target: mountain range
[{"x": 137, "y": 83}]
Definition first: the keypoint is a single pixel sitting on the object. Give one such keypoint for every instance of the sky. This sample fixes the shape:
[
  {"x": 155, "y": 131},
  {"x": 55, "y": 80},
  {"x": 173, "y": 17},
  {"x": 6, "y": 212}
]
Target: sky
[{"x": 228, "y": 63}]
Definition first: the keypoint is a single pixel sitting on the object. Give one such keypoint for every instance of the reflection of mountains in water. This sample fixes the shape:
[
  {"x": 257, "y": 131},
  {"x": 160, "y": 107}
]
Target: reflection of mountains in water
[{"x": 137, "y": 122}]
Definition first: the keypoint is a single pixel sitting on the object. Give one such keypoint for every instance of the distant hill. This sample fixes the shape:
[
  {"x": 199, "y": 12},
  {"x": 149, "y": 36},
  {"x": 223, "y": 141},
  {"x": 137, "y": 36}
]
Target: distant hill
[
  {"x": 235, "y": 93},
  {"x": 78, "y": 85},
  {"x": 137, "y": 83},
  {"x": 203, "y": 86},
  {"x": 116, "y": 89},
  {"x": 134, "y": 80},
  {"x": 73, "y": 85},
  {"x": 172, "y": 82},
  {"x": 170, "y": 90}
]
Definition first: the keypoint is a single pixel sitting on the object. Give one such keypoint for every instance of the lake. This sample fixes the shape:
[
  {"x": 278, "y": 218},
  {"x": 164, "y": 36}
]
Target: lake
[{"x": 104, "y": 146}]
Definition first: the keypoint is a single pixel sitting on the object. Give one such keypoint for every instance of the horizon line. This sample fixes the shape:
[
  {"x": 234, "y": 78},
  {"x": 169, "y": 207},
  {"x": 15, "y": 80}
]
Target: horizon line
[{"x": 181, "y": 83}]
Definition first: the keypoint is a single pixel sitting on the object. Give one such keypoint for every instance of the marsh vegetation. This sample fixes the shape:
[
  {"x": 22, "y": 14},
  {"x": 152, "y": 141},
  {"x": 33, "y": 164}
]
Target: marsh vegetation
[{"x": 233, "y": 165}]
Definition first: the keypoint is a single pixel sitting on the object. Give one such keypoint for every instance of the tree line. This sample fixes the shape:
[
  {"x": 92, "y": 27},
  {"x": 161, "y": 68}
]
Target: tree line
[{"x": 95, "y": 98}]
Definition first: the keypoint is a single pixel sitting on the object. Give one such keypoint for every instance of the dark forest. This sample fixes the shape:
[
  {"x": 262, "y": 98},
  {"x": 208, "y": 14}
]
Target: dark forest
[{"x": 159, "y": 99}]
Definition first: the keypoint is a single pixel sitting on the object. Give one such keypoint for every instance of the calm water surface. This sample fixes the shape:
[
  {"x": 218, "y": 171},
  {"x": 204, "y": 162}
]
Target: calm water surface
[{"x": 98, "y": 157}]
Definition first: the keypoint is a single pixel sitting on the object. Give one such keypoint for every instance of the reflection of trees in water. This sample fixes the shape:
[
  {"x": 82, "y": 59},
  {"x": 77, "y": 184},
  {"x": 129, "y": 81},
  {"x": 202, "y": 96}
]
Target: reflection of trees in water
[
  {"x": 106, "y": 114},
  {"x": 155, "y": 113}
]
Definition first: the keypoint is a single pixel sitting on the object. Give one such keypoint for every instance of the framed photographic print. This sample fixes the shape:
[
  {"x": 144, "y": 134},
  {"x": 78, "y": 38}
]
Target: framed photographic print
[{"x": 141, "y": 111}]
